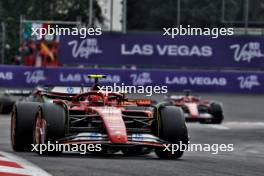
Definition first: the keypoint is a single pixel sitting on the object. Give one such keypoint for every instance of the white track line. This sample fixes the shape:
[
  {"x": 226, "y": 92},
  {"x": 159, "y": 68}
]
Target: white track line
[
  {"x": 13, "y": 170},
  {"x": 230, "y": 125},
  {"x": 198, "y": 125},
  {"x": 28, "y": 168},
  {"x": 2, "y": 158},
  {"x": 219, "y": 127},
  {"x": 258, "y": 124}
]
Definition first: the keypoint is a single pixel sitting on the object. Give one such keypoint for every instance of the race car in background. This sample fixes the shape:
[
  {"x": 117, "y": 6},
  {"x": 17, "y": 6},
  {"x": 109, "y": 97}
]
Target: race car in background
[
  {"x": 8, "y": 98},
  {"x": 196, "y": 109},
  {"x": 133, "y": 126}
]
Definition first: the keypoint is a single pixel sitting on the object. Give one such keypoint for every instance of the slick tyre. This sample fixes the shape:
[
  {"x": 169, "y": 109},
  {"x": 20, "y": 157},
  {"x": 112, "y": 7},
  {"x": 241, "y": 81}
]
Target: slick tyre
[
  {"x": 22, "y": 124},
  {"x": 216, "y": 110},
  {"x": 173, "y": 130},
  {"x": 49, "y": 126}
]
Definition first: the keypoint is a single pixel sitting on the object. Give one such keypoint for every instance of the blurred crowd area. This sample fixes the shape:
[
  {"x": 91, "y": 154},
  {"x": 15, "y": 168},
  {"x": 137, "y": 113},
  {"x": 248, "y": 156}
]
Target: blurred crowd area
[
  {"x": 239, "y": 14},
  {"x": 37, "y": 53}
]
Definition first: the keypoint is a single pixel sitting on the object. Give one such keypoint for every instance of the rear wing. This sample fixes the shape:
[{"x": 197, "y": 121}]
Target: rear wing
[
  {"x": 60, "y": 92},
  {"x": 141, "y": 102},
  {"x": 69, "y": 90}
]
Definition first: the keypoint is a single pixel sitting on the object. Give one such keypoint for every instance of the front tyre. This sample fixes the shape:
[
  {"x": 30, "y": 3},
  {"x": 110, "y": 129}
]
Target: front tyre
[
  {"x": 217, "y": 112},
  {"x": 172, "y": 128},
  {"x": 168, "y": 154}
]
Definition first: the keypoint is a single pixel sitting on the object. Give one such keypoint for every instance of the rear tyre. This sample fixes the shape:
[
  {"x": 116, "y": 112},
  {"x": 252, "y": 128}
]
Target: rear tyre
[
  {"x": 22, "y": 122},
  {"x": 173, "y": 130},
  {"x": 50, "y": 119},
  {"x": 216, "y": 110}
]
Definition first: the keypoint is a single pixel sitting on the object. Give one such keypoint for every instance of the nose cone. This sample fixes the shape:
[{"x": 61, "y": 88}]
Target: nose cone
[
  {"x": 193, "y": 109},
  {"x": 118, "y": 136},
  {"x": 114, "y": 124}
]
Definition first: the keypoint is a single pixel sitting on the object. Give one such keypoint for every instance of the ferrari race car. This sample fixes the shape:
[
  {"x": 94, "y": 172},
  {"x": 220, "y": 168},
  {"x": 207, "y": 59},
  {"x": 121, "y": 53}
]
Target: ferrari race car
[
  {"x": 197, "y": 110},
  {"x": 132, "y": 126},
  {"x": 9, "y": 97}
]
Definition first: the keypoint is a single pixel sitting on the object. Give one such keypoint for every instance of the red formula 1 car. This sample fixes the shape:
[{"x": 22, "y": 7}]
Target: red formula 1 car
[
  {"x": 132, "y": 126},
  {"x": 196, "y": 109}
]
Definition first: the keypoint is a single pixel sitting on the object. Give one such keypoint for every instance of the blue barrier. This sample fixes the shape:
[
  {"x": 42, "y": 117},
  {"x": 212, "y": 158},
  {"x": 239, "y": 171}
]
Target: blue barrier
[
  {"x": 200, "y": 81},
  {"x": 182, "y": 51}
]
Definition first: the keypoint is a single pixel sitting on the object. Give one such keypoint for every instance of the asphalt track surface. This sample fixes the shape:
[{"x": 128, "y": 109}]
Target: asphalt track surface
[{"x": 243, "y": 127}]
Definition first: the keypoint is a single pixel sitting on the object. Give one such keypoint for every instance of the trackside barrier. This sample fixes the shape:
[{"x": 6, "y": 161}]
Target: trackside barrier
[
  {"x": 239, "y": 52},
  {"x": 200, "y": 81}
]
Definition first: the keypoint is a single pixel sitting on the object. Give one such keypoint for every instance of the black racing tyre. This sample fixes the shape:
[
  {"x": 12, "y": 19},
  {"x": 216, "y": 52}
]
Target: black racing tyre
[
  {"x": 135, "y": 151},
  {"x": 55, "y": 117},
  {"x": 50, "y": 119},
  {"x": 22, "y": 122},
  {"x": 173, "y": 126},
  {"x": 216, "y": 110},
  {"x": 173, "y": 130},
  {"x": 6, "y": 105}
]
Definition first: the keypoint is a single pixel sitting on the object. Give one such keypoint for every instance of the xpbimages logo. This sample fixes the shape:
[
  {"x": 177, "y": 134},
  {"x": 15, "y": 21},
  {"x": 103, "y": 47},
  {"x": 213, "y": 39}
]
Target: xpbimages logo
[
  {"x": 83, "y": 32},
  {"x": 192, "y": 31},
  {"x": 147, "y": 90},
  {"x": 57, "y": 147},
  {"x": 212, "y": 148}
]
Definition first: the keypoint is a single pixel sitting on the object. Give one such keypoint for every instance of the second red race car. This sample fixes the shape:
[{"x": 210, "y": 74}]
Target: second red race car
[{"x": 196, "y": 109}]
